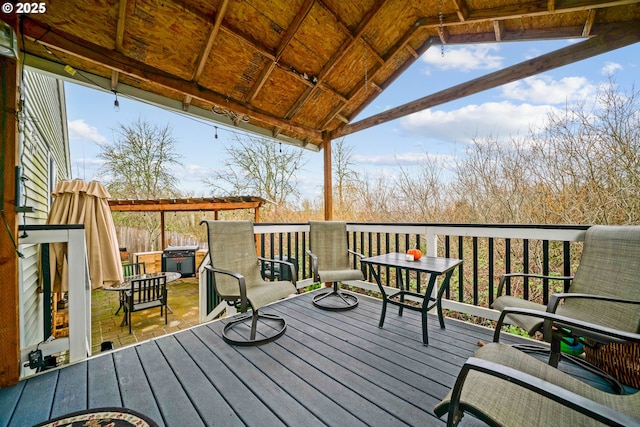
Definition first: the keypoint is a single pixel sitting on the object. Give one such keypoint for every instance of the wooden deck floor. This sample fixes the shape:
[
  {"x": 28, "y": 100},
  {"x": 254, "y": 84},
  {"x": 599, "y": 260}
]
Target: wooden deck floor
[{"x": 330, "y": 368}]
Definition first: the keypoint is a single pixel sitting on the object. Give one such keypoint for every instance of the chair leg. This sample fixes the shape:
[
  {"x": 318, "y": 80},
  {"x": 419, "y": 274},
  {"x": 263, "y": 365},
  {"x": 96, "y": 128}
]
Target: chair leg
[
  {"x": 336, "y": 300},
  {"x": 274, "y": 328}
]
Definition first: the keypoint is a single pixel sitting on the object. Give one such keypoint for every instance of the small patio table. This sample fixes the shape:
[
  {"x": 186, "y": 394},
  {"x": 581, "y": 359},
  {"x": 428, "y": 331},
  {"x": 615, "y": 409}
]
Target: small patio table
[
  {"x": 126, "y": 285},
  {"x": 435, "y": 266}
]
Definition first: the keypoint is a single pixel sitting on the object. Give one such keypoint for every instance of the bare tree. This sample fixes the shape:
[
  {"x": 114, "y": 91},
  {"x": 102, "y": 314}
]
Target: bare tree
[
  {"x": 345, "y": 177},
  {"x": 259, "y": 167},
  {"x": 137, "y": 165}
]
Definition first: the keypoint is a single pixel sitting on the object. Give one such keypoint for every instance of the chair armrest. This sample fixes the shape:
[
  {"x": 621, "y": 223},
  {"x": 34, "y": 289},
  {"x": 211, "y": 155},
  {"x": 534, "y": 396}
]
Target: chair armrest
[
  {"x": 504, "y": 277},
  {"x": 549, "y": 390},
  {"x": 358, "y": 254},
  {"x": 242, "y": 285},
  {"x": 555, "y": 299},
  {"x": 579, "y": 327},
  {"x": 314, "y": 265},
  {"x": 294, "y": 273}
]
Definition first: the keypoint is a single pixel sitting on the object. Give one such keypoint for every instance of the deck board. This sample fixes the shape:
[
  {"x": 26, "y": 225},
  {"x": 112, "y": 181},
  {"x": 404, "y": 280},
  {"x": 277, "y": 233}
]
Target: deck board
[
  {"x": 103, "y": 389},
  {"x": 329, "y": 368}
]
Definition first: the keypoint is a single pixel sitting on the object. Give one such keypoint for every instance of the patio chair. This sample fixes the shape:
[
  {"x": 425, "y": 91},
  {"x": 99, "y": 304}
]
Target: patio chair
[
  {"x": 237, "y": 280},
  {"x": 128, "y": 270},
  {"x": 604, "y": 290},
  {"x": 133, "y": 269},
  {"x": 146, "y": 293},
  {"x": 502, "y": 385},
  {"x": 329, "y": 254}
]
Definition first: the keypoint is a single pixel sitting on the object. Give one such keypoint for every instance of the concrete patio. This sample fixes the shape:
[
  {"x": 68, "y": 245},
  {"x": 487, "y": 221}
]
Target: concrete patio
[{"x": 147, "y": 324}]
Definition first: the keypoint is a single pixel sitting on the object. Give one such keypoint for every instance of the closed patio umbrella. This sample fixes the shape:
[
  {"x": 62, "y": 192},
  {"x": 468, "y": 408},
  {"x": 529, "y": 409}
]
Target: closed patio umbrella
[{"x": 78, "y": 202}]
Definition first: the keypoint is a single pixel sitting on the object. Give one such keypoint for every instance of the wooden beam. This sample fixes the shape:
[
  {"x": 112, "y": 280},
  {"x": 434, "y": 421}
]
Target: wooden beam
[
  {"x": 333, "y": 61},
  {"x": 498, "y": 29},
  {"x": 284, "y": 42},
  {"x": 328, "y": 181},
  {"x": 122, "y": 16},
  {"x": 162, "y": 236},
  {"x": 116, "y": 61},
  {"x": 591, "y": 18},
  {"x": 9, "y": 295},
  {"x": 616, "y": 38},
  {"x": 206, "y": 50},
  {"x": 169, "y": 207}
]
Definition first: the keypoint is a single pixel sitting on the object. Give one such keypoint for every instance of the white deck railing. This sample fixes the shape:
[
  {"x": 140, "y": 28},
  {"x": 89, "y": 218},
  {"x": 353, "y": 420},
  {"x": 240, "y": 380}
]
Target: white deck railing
[{"x": 78, "y": 343}]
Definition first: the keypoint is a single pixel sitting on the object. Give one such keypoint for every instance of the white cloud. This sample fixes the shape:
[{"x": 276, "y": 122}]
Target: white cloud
[
  {"x": 610, "y": 68},
  {"x": 401, "y": 159},
  {"x": 465, "y": 59},
  {"x": 80, "y": 130},
  {"x": 545, "y": 90},
  {"x": 499, "y": 119}
]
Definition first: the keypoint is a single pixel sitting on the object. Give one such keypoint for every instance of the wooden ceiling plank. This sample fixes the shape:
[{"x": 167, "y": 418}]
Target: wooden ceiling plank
[
  {"x": 400, "y": 44},
  {"x": 284, "y": 42},
  {"x": 255, "y": 45},
  {"x": 122, "y": 16},
  {"x": 123, "y": 64},
  {"x": 206, "y": 50},
  {"x": 620, "y": 36},
  {"x": 340, "y": 53}
]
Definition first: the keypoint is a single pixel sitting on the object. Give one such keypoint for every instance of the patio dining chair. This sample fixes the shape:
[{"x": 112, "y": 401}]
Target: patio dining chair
[
  {"x": 329, "y": 254},
  {"x": 604, "y": 291},
  {"x": 129, "y": 270},
  {"x": 146, "y": 293},
  {"x": 504, "y": 386},
  {"x": 237, "y": 279}
]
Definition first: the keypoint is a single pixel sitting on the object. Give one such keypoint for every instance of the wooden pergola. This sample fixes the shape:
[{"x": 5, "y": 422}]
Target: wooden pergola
[{"x": 215, "y": 204}]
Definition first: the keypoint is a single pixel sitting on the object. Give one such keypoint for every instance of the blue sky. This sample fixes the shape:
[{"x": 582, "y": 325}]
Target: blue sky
[{"x": 443, "y": 132}]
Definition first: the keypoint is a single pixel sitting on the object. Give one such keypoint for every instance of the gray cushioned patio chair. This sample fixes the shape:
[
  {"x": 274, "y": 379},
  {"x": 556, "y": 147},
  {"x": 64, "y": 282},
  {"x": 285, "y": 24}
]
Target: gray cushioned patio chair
[
  {"x": 237, "y": 280},
  {"x": 329, "y": 254},
  {"x": 604, "y": 290},
  {"x": 502, "y": 385}
]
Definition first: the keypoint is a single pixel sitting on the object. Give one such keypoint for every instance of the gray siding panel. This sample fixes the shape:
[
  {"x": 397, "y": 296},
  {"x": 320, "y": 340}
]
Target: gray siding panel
[{"x": 44, "y": 140}]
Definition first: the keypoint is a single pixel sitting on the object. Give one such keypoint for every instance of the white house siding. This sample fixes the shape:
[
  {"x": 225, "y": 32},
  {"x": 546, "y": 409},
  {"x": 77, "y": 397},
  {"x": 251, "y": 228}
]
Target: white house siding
[{"x": 44, "y": 147}]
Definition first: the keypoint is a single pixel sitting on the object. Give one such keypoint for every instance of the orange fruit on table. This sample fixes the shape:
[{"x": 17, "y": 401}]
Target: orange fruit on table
[{"x": 417, "y": 253}]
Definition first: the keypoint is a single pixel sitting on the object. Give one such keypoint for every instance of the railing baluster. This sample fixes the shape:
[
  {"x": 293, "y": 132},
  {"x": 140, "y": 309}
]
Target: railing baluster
[
  {"x": 545, "y": 271},
  {"x": 490, "y": 249},
  {"x": 525, "y": 267}
]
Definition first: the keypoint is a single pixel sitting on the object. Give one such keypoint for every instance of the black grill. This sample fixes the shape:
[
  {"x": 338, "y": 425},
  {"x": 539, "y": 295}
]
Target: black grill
[{"x": 181, "y": 259}]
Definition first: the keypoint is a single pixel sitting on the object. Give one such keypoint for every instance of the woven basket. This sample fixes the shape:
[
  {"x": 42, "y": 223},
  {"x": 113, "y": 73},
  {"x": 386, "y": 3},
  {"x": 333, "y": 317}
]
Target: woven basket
[{"x": 620, "y": 360}]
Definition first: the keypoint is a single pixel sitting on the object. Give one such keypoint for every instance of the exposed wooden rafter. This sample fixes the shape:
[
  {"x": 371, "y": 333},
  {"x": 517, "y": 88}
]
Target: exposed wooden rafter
[
  {"x": 340, "y": 53},
  {"x": 122, "y": 16},
  {"x": 617, "y": 37},
  {"x": 118, "y": 62}
]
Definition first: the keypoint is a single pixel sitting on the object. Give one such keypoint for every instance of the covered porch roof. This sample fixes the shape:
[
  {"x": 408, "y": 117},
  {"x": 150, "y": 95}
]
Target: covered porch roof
[{"x": 299, "y": 71}]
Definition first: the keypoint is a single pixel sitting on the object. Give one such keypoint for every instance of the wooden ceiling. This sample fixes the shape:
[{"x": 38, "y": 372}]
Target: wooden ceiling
[{"x": 298, "y": 70}]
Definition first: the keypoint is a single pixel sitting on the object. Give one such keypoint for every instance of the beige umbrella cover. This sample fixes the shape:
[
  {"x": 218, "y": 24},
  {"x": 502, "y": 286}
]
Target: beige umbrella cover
[{"x": 76, "y": 202}]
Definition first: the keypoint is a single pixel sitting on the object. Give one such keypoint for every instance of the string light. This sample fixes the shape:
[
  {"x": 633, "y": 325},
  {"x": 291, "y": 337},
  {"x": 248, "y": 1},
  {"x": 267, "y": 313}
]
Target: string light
[
  {"x": 216, "y": 130},
  {"x": 116, "y": 103}
]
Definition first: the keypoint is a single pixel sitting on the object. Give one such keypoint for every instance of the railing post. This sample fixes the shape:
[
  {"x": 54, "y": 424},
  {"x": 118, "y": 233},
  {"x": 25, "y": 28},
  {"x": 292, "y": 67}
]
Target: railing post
[{"x": 432, "y": 242}]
